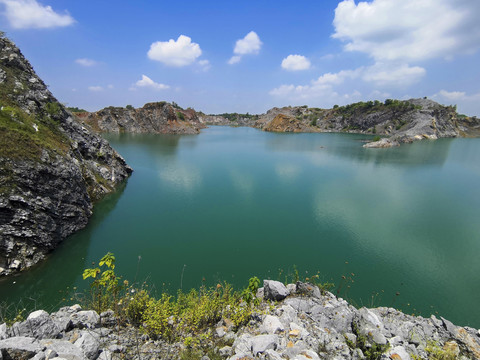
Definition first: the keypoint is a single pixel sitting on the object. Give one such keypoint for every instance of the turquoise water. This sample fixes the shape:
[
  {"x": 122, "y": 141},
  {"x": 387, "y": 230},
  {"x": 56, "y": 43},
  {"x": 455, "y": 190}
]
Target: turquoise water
[{"x": 232, "y": 203}]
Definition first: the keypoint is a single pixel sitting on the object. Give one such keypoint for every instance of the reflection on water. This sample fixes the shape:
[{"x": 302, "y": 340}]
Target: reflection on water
[{"x": 232, "y": 203}]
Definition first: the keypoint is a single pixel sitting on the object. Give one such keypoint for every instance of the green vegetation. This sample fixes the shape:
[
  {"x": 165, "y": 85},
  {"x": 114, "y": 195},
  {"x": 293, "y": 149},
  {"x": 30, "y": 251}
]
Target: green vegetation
[
  {"x": 185, "y": 317},
  {"x": 237, "y": 116},
  {"x": 23, "y": 135},
  {"x": 76, "y": 110},
  {"x": 435, "y": 352},
  {"x": 370, "y": 349},
  {"x": 376, "y": 138},
  {"x": 129, "y": 107},
  {"x": 396, "y": 106},
  {"x": 180, "y": 116}
]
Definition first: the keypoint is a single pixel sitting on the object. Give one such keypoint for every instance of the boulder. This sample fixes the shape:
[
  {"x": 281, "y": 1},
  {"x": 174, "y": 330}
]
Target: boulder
[
  {"x": 274, "y": 290},
  {"x": 20, "y": 348}
]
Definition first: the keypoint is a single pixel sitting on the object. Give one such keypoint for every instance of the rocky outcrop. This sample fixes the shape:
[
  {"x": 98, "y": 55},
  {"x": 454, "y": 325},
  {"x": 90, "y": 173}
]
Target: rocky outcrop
[
  {"x": 308, "y": 324},
  {"x": 157, "y": 117},
  {"x": 51, "y": 167}
]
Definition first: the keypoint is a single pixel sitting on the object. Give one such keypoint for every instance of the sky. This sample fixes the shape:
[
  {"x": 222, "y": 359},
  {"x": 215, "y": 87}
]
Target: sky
[{"x": 251, "y": 55}]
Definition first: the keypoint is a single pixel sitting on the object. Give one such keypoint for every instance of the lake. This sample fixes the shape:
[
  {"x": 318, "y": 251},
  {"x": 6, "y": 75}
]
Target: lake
[{"x": 390, "y": 227}]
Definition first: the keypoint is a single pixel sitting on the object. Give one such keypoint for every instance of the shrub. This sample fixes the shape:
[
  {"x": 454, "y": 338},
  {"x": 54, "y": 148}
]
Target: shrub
[
  {"x": 376, "y": 138},
  {"x": 180, "y": 116}
]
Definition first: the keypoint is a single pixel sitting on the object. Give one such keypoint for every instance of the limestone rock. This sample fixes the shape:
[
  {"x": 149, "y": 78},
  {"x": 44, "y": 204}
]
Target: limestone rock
[{"x": 274, "y": 290}]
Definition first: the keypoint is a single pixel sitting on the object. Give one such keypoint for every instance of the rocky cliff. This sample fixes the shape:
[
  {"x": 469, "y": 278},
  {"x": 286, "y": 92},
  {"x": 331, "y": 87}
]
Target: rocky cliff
[
  {"x": 158, "y": 117},
  {"x": 296, "y": 322},
  {"x": 394, "y": 120},
  {"x": 51, "y": 167},
  {"x": 397, "y": 121}
]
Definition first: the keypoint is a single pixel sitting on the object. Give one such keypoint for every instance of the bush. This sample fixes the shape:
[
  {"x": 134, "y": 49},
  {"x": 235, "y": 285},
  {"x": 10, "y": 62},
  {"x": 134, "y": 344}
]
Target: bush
[{"x": 180, "y": 116}]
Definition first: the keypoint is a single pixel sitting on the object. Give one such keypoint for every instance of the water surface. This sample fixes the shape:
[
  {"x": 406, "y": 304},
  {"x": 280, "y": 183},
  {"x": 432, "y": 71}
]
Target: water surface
[{"x": 232, "y": 203}]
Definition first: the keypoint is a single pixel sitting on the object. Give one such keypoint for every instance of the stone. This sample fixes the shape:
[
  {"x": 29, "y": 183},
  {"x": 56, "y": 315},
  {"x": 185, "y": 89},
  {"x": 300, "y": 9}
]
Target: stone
[
  {"x": 243, "y": 344},
  {"x": 3, "y": 331},
  {"x": 261, "y": 343},
  {"x": 39, "y": 356},
  {"x": 225, "y": 351},
  {"x": 64, "y": 349},
  {"x": 39, "y": 325},
  {"x": 272, "y": 355},
  {"x": 292, "y": 289},
  {"x": 20, "y": 347},
  {"x": 272, "y": 325},
  {"x": 274, "y": 290},
  {"x": 308, "y": 289},
  {"x": 85, "y": 319},
  {"x": 89, "y": 343},
  {"x": 220, "y": 331},
  {"x": 398, "y": 353},
  {"x": 105, "y": 355},
  {"x": 307, "y": 355}
]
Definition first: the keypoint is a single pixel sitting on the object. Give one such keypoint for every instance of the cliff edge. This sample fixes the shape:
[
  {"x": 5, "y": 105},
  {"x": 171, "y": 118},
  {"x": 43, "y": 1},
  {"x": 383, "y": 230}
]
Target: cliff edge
[{"x": 51, "y": 167}]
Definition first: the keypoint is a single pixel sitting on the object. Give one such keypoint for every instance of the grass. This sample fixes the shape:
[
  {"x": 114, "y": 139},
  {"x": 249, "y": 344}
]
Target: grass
[{"x": 23, "y": 135}]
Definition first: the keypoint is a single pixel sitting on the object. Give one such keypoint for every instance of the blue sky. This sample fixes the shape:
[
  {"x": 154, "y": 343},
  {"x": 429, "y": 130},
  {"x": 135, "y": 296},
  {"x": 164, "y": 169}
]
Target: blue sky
[{"x": 228, "y": 56}]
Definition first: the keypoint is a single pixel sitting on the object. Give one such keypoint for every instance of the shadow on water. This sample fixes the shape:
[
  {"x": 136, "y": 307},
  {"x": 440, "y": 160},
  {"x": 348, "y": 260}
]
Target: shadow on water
[
  {"x": 421, "y": 153},
  {"x": 48, "y": 284}
]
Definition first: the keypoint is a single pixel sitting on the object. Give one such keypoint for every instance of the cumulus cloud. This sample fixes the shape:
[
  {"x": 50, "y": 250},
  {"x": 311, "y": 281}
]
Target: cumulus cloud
[
  {"x": 29, "y": 14},
  {"x": 95, "y": 88},
  {"x": 295, "y": 63},
  {"x": 181, "y": 52},
  {"x": 146, "y": 82},
  {"x": 86, "y": 62},
  {"x": 408, "y": 30},
  {"x": 250, "y": 44},
  {"x": 457, "y": 96},
  {"x": 387, "y": 74}
]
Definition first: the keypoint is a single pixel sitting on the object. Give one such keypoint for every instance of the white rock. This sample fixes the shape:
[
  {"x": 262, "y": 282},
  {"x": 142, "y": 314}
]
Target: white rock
[
  {"x": 37, "y": 314},
  {"x": 262, "y": 343},
  {"x": 272, "y": 325},
  {"x": 400, "y": 351}
]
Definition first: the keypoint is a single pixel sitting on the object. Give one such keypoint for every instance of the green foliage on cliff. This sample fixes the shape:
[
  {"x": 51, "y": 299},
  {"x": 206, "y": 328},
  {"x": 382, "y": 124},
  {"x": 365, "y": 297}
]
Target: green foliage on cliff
[
  {"x": 23, "y": 135},
  {"x": 180, "y": 116},
  {"x": 76, "y": 110}
]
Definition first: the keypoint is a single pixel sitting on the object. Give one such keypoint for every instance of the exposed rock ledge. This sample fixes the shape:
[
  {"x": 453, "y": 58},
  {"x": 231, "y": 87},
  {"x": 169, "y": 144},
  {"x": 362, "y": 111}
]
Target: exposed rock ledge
[
  {"x": 302, "y": 324},
  {"x": 51, "y": 167}
]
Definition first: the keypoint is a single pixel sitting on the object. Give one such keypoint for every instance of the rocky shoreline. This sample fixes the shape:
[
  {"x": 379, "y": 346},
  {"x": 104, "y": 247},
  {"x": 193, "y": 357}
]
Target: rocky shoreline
[
  {"x": 393, "y": 121},
  {"x": 52, "y": 168},
  {"x": 297, "y": 321}
]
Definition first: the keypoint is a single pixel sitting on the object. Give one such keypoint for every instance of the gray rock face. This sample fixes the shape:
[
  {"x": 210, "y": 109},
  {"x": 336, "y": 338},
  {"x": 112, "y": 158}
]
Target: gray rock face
[
  {"x": 48, "y": 183},
  {"x": 159, "y": 117},
  {"x": 274, "y": 290}
]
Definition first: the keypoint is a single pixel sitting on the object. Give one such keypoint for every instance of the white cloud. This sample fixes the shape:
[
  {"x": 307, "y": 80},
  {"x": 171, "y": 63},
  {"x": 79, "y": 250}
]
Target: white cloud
[
  {"x": 110, "y": 86},
  {"x": 408, "y": 29},
  {"x": 388, "y": 74},
  {"x": 234, "y": 59},
  {"x": 28, "y": 14},
  {"x": 177, "y": 53},
  {"x": 95, "y": 88},
  {"x": 250, "y": 44},
  {"x": 337, "y": 78},
  {"x": 457, "y": 96},
  {"x": 204, "y": 65},
  {"x": 86, "y": 62},
  {"x": 295, "y": 63},
  {"x": 149, "y": 83}
]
